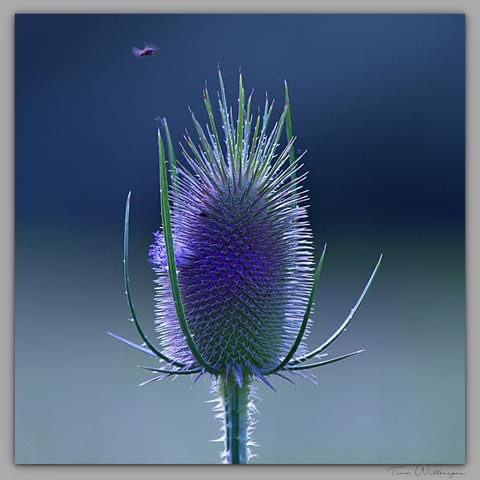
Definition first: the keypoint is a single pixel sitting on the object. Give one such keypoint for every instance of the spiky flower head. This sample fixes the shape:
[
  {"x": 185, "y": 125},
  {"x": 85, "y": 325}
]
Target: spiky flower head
[
  {"x": 242, "y": 245},
  {"x": 235, "y": 279}
]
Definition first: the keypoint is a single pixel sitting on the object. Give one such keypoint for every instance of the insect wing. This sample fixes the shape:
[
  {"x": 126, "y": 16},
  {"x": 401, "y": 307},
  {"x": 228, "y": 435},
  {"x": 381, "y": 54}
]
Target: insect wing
[{"x": 150, "y": 46}]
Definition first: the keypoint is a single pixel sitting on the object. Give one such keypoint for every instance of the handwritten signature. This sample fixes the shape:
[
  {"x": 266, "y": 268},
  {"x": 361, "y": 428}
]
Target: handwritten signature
[{"x": 423, "y": 470}]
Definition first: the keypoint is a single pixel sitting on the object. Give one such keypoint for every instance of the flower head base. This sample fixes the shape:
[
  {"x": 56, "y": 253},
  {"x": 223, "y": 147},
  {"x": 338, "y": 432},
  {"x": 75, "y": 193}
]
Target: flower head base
[{"x": 236, "y": 281}]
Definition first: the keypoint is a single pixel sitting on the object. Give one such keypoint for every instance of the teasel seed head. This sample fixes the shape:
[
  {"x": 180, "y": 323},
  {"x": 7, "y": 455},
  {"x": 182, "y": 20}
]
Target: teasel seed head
[
  {"x": 243, "y": 249},
  {"x": 235, "y": 277}
]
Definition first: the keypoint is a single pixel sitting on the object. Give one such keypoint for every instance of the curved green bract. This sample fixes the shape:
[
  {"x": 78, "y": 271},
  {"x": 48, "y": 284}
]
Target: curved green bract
[
  {"x": 288, "y": 127},
  {"x": 131, "y": 306},
  {"x": 241, "y": 113},
  {"x": 133, "y": 345},
  {"x": 171, "y": 157},
  {"x": 306, "y": 317},
  {"x": 172, "y": 267},
  {"x": 324, "y": 362},
  {"x": 344, "y": 325}
]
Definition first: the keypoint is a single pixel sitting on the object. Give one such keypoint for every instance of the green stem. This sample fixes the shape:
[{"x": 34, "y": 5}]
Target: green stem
[{"x": 235, "y": 400}]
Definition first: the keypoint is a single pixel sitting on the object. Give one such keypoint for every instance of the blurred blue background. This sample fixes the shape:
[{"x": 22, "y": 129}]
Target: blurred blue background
[{"x": 378, "y": 102}]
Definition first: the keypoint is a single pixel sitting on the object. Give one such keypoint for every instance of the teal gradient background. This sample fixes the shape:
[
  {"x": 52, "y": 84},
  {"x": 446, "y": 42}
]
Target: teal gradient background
[{"x": 378, "y": 101}]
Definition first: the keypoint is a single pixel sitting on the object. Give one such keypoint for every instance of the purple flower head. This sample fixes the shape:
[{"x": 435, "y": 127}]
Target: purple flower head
[
  {"x": 158, "y": 254},
  {"x": 243, "y": 250}
]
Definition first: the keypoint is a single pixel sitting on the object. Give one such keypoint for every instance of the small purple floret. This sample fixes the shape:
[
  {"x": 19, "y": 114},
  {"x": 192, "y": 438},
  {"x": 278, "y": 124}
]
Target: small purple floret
[{"x": 158, "y": 253}]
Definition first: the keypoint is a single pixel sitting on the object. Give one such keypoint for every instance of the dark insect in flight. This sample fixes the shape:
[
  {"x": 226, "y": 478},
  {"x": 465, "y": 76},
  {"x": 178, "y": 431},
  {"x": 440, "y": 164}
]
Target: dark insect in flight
[{"x": 147, "y": 51}]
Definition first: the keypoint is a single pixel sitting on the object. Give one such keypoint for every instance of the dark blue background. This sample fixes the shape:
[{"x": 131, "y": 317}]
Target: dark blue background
[{"x": 378, "y": 102}]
